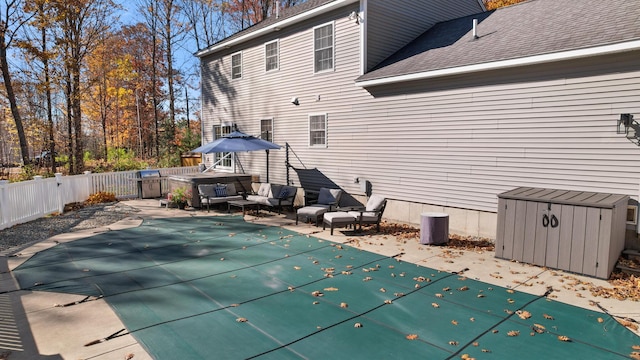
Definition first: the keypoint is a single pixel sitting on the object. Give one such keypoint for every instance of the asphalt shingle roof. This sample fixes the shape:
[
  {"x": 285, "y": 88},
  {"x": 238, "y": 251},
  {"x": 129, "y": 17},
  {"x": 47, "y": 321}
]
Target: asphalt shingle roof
[{"x": 530, "y": 28}]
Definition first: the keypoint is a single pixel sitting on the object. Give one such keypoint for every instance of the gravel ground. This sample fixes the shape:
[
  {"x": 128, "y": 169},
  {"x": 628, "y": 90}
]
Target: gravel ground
[{"x": 86, "y": 217}]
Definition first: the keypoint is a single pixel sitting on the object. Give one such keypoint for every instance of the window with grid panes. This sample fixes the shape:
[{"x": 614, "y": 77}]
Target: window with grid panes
[
  {"x": 266, "y": 129},
  {"x": 236, "y": 65},
  {"x": 318, "y": 130},
  {"x": 271, "y": 55},
  {"x": 220, "y": 131},
  {"x": 323, "y": 48}
]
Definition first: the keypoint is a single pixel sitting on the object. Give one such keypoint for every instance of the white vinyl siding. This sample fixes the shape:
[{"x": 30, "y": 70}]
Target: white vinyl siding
[
  {"x": 455, "y": 142},
  {"x": 318, "y": 130},
  {"x": 236, "y": 65},
  {"x": 323, "y": 48},
  {"x": 271, "y": 56}
]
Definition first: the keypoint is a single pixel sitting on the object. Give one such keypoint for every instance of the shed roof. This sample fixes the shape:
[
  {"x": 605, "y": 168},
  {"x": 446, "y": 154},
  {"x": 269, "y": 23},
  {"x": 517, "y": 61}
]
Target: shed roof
[{"x": 542, "y": 28}]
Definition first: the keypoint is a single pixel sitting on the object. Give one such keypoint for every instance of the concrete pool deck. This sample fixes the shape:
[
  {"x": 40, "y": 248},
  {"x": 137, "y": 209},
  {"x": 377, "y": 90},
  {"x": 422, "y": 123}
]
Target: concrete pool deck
[{"x": 35, "y": 328}]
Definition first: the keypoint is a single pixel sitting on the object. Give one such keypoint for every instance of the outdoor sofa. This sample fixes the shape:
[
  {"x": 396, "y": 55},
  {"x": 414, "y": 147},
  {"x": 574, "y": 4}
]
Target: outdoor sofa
[
  {"x": 274, "y": 196},
  {"x": 211, "y": 194}
]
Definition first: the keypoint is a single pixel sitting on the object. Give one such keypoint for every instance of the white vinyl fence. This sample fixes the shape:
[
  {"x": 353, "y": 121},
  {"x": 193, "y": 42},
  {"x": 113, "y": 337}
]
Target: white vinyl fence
[{"x": 29, "y": 200}]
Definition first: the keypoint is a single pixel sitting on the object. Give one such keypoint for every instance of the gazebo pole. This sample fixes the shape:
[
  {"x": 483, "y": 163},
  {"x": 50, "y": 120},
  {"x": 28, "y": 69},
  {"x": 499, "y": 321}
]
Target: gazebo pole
[{"x": 267, "y": 150}]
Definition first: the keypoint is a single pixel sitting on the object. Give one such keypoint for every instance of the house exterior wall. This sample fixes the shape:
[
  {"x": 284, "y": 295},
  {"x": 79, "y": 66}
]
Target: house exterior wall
[
  {"x": 390, "y": 25},
  {"x": 447, "y": 144}
]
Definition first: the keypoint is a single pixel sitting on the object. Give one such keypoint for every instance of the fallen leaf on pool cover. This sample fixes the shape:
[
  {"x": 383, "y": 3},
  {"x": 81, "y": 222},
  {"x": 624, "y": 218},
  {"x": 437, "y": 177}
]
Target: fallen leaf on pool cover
[
  {"x": 241, "y": 319},
  {"x": 453, "y": 343},
  {"x": 624, "y": 322},
  {"x": 357, "y": 325},
  {"x": 513, "y": 333},
  {"x": 412, "y": 337},
  {"x": 297, "y": 268},
  {"x": 438, "y": 295},
  {"x": 548, "y": 317},
  {"x": 538, "y": 328},
  {"x": 454, "y": 322},
  {"x": 564, "y": 338},
  {"x": 523, "y": 314},
  {"x": 435, "y": 305},
  {"x": 317, "y": 293},
  {"x": 600, "y": 320},
  {"x": 635, "y": 347},
  {"x": 331, "y": 289}
]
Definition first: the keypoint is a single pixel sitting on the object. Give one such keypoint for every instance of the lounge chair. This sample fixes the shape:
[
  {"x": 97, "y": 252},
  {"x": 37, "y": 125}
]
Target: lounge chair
[
  {"x": 372, "y": 213},
  {"x": 326, "y": 201}
]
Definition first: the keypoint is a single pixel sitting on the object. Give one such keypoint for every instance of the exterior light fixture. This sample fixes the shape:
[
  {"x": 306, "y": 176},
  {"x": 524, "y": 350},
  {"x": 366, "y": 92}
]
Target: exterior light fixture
[
  {"x": 624, "y": 123},
  {"x": 294, "y": 101},
  {"x": 355, "y": 16}
]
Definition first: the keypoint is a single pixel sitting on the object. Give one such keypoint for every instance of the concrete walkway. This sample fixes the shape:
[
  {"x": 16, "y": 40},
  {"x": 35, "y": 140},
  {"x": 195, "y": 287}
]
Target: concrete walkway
[{"x": 35, "y": 326}]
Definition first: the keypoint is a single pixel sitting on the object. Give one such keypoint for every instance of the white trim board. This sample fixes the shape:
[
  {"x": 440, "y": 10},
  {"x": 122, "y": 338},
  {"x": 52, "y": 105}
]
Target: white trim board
[{"x": 529, "y": 60}]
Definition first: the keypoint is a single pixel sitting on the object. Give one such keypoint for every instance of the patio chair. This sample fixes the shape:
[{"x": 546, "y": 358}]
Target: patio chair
[
  {"x": 327, "y": 199},
  {"x": 372, "y": 213},
  {"x": 206, "y": 192}
]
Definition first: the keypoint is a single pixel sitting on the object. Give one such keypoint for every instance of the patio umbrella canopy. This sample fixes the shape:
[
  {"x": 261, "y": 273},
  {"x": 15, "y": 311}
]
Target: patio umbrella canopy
[{"x": 238, "y": 142}]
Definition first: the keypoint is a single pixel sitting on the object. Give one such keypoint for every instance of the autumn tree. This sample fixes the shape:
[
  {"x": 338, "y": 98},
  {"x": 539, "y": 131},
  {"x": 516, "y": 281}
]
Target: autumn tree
[
  {"x": 38, "y": 49},
  {"x": 81, "y": 24},
  {"x": 12, "y": 19},
  {"x": 206, "y": 21},
  {"x": 494, "y": 4},
  {"x": 244, "y": 13}
]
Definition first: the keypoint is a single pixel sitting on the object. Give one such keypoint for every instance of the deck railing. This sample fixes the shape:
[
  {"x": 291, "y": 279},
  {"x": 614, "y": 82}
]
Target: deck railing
[{"x": 24, "y": 201}]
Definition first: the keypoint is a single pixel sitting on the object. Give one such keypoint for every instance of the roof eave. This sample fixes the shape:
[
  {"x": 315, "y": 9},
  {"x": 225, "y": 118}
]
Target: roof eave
[
  {"x": 276, "y": 26},
  {"x": 495, "y": 65}
]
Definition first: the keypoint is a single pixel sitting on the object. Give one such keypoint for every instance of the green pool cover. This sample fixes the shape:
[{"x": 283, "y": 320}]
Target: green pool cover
[{"x": 219, "y": 287}]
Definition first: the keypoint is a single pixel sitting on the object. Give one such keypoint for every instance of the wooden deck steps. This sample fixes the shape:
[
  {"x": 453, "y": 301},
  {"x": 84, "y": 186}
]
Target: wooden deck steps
[{"x": 629, "y": 262}]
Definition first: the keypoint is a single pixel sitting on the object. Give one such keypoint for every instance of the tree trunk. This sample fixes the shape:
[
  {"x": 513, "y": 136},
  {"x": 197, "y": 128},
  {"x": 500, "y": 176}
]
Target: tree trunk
[
  {"x": 69, "y": 122},
  {"x": 47, "y": 80},
  {"x": 77, "y": 119},
  {"x": 170, "y": 76},
  {"x": 6, "y": 76}
]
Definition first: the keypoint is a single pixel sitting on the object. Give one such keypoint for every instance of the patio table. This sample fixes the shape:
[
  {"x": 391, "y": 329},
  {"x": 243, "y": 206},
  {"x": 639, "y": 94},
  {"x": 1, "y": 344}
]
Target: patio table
[{"x": 243, "y": 204}]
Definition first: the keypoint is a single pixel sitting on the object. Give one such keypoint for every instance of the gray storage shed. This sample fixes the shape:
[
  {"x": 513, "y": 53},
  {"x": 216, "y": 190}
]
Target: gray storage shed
[{"x": 577, "y": 231}]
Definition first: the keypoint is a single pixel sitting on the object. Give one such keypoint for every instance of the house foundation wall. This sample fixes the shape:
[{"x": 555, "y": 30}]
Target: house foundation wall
[{"x": 461, "y": 221}]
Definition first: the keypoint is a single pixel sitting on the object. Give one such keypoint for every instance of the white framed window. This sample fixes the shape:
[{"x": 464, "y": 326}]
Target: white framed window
[
  {"x": 318, "y": 130},
  {"x": 266, "y": 129},
  {"x": 236, "y": 65},
  {"x": 323, "y": 54},
  {"x": 272, "y": 55},
  {"x": 223, "y": 159}
]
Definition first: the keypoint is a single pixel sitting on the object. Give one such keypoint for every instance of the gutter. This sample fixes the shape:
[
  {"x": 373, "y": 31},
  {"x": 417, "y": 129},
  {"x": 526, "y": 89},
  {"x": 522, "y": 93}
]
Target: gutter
[
  {"x": 276, "y": 26},
  {"x": 495, "y": 65}
]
